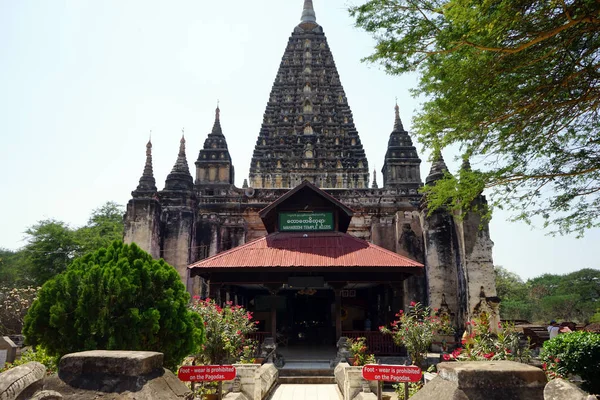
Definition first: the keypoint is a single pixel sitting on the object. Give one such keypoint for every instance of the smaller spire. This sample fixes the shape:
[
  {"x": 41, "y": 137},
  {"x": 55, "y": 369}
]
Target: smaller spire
[
  {"x": 438, "y": 168},
  {"x": 398, "y": 122},
  {"x": 308, "y": 13},
  {"x": 147, "y": 185},
  {"x": 180, "y": 178},
  {"x": 245, "y": 184},
  {"x": 375, "y": 186},
  {"x": 216, "y": 130}
]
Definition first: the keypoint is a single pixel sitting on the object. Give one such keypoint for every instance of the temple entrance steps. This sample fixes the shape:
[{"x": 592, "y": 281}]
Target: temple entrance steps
[{"x": 315, "y": 372}]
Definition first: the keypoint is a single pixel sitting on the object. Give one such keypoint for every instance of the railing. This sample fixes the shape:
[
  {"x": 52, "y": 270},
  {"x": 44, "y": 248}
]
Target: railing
[
  {"x": 259, "y": 336},
  {"x": 377, "y": 342}
]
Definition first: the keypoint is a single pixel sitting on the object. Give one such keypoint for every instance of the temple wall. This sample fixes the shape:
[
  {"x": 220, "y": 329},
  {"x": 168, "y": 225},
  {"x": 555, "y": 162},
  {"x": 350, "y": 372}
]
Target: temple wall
[
  {"x": 142, "y": 225},
  {"x": 441, "y": 260},
  {"x": 178, "y": 238}
]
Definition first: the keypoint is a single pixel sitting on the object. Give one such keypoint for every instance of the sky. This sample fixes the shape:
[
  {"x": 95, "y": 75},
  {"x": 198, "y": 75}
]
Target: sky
[{"x": 83, "y": 83}]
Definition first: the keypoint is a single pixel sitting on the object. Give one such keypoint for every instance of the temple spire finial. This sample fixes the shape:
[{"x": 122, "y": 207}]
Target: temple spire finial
[
  {"x": 398, "y": 122},
  {"x": 308, "y": 13},
  {"x": 147, "y": 186},
  {"x": 375, "y": 185}
]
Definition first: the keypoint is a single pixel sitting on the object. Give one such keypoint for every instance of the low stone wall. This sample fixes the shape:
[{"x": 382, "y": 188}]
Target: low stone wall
[
  {"x": 22, "y": 381},
  {"x": 256, "y": 381},
  {"x": 351, "y": 383}
]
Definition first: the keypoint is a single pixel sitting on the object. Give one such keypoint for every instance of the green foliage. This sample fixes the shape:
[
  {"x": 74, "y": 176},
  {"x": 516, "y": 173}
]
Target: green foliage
[
  {"x": 596, "y": 317},
  {"x": 570, "y": 297},
  {"x": 51, "y": 248},
  {"x": 52, "y": 245},
  {"x": 515, "y": 85},
  {"x": 574, "y": 353},
  {"x": 226, "y": 330},
  {"x": 104, "y": 226},
  {"x": 38, "y": 355},
  {"x": 117, "y": 298},
  {"x": 413, "y": 388}
]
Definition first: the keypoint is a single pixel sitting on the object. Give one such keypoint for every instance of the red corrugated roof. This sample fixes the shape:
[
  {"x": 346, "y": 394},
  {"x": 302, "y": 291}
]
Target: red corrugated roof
[{"x": 322, "y": 249}]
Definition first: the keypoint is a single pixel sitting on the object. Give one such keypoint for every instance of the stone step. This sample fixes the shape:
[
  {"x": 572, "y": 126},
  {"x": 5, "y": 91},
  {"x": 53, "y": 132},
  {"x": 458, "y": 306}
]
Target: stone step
[
  {"x": 306, "y": 380},
  {"x": 305, "y": 372}
]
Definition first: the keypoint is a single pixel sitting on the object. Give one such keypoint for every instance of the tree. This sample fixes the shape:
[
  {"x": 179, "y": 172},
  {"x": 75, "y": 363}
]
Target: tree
[
  {"x": 50, "y": 249},
  {"x": 516, "y": 85},
  {"x": 13, "y": 269},
  {"x": 118, "y": 297},
  {"x": 514, "y": 295},
  {"x": 104, "y": 226}
]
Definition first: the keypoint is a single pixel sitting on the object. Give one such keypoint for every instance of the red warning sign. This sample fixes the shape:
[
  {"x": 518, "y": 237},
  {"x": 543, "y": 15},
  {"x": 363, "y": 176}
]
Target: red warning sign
[
  {"x": 206, "y": 373},
  {"x": 391, "y": 373}
]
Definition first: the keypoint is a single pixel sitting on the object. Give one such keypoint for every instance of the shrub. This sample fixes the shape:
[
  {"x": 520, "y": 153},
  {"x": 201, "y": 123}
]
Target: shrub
[
  {"x": 40, "y": 355},
  {"x": 574, "y": 353},
  {"x": 226, "y": 329},
  {"x": 480, "y": 343},
  {"x": 415, "y": 330},
  {"x": 117, "y": 298}
]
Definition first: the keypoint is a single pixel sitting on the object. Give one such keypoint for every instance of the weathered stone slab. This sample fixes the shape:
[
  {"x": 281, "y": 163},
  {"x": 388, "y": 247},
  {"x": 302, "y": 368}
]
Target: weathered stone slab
[
  {"x": 127, "y": 363},
  {"x": 19, "y": 379},
  {"x": 560, "y": 389},
  {"x": 492, "y": 375},
  {"x": 484, "y": 380}
]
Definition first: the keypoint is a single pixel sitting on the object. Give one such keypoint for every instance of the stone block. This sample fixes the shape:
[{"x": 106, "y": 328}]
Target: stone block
[
  {"x": 560, "y": 389},
  {"x": 21, "y": 379},
  {"x": 266, "y": 376},
  {"x": 365, "y": 396},
  {"x": 484, "y": 380},
  {"x": 8, "y": 350},
  {"x": 235, "y": 396},
  {"x": 47, "y": 395},
  {"x": 353, "y": 382},
  {"x": 105, "y": 362},
  {"x": 495, "y": 374}
]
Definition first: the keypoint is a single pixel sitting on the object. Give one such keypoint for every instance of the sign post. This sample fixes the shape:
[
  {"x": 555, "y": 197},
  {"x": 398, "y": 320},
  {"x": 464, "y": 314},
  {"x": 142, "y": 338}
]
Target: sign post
[
  {"x": 392, "y": 373},
  {"x": 207, "y": 373}
]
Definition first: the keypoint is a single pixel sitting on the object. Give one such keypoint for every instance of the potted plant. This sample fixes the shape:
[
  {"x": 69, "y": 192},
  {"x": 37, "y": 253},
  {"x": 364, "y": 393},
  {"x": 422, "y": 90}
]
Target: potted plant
[
  {"x": 358, "y": 352},
  {"x": 415, "y": 330}
]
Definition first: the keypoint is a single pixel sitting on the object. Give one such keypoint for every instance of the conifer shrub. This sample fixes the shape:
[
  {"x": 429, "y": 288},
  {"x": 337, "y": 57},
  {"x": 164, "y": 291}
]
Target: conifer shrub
[
  {"x": 575, "y": 353},
  {"x": 116, "y": 298}
]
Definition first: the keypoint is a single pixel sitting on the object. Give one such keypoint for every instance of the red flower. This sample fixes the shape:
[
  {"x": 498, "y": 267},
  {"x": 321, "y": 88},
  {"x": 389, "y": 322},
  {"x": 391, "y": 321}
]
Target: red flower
[
  {"x": 196, "y": 297},
  {"x": 446, "y": 357},
  {"x": 488, "y": 355},
  {"x": 412, "y": 304},
  {"x": 544, "y": 366}
]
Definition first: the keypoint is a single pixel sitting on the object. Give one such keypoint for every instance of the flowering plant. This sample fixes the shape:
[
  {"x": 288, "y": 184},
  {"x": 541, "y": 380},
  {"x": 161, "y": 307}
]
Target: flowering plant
[
  {"x": 14, "y": 304},
  {"x": 480, "y": 343},
  {"x": 249, "y": 350},
  {"x": 358, "y": 350},
  {"x": 225, "y": 329},
  {"x": 415, "y": 330}
]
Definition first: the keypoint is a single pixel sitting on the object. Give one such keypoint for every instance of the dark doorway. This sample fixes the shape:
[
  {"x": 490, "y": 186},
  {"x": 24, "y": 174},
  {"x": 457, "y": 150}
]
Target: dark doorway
[{"x": 308, "y": 318}]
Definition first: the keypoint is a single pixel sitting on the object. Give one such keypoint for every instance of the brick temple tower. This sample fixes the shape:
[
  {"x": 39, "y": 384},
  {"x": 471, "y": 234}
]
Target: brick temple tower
[{"x": 308, "y": 134}]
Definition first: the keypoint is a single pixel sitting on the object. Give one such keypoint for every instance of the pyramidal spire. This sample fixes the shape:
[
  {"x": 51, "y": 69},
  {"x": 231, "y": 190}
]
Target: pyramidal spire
[
  {"x": 375, "y": 186},
  {"x": 180, "y": 178},
  {"x": 147, "y": 185},
  {"x": 438, "y": 168},
  {"x": 181, "y": 165},
  {"x": 398, "y": 122},
  {"x": 216, "y": 130},
  {"x": 308, "y": 13}
]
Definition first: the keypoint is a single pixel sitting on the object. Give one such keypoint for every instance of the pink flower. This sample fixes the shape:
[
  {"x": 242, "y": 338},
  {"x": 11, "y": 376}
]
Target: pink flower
[
  {"x": 381, "y": 327},
  {"x": 488, "y": 355},
  {"x": 468, "y": 323},
  {"x": 196, "y": 297},
  {"x": 412, "y": 304},
  {"x": 446, "y": 357}
]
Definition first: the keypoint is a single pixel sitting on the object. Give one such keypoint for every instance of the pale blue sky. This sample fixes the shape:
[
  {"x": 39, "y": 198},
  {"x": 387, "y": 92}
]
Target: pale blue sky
[{"x": 82, "y": 83}]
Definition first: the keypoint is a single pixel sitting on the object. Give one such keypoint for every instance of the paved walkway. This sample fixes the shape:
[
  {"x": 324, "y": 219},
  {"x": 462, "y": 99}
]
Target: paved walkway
[{"x": 305, "y": 392}]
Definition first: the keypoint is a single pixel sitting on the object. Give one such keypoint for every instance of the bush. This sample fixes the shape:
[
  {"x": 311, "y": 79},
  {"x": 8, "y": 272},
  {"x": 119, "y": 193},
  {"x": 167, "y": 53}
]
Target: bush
[
  {"x": 574, "y": 353},
  {"x": 226, "y": 330},
  {"x": 358, "y": 350},
  {"x": 118, "y": 298},
  {"x": 40, "y": 355}
]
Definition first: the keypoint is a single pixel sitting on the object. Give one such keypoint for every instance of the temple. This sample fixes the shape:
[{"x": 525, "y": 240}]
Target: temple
[{"x": 256, "y": 245}]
